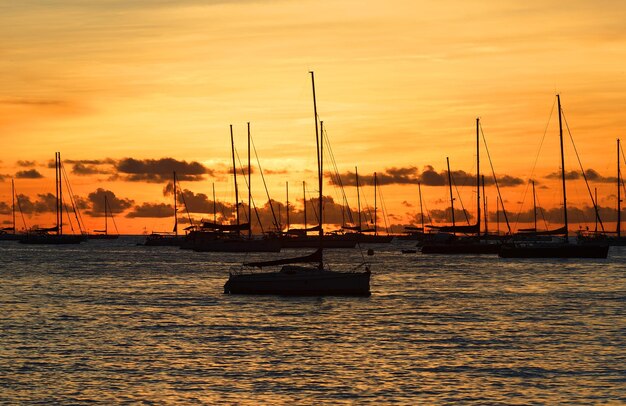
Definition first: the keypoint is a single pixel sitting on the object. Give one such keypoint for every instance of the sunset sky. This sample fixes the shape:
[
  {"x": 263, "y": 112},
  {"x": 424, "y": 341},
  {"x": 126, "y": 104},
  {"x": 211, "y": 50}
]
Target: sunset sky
[{"x": 128, "y": 91}]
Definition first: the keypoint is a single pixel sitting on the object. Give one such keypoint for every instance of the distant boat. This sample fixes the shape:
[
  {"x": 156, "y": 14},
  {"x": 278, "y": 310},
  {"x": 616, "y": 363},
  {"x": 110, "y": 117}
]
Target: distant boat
[
  {"x": 558, "y": 249},
  {"x": 10, "y": 233},
  {"x": 164, "y": 239},
  {"x": 228, "y": 238},
  {"x": 299, "y": 280},
  {"x": 451, "y": 244},
  {"x": 54, "y": 235},
  {"x": 104, "y": 234}
]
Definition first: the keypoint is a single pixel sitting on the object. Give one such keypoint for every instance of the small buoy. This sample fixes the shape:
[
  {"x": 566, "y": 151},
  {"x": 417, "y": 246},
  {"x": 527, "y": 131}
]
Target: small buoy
[{"x": 370, "y": 252}]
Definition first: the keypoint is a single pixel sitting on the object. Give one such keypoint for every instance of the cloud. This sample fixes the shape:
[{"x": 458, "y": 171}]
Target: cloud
[
  {"x": 94, "y": 204},
  {"x": 45, "y": 203},
  {"x": 33, "y": 102},
  {"x": 160, "y": 170},
  {"x": 4, "y": 176},
  {"x": 158, "y": 210},
  {"x": 5, "y": 208},
  {"x": 26, "y": 164},
  {"x": 428, "y": 177},
  {"x": 82, "y": 169},
  {"x": 29, "y": 174},
  {"x": 445, "y": 216},
  {"x": 592, "y": 176}
]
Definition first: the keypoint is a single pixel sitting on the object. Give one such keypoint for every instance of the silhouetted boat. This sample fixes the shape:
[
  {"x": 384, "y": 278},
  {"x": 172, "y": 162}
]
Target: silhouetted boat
[
  {"x": 165, "y": 239},
  {"x": 54, "y": 235},
  {"x": 561, "y": 249},
  {"x": 228, "y": 238},
  {"x": 10, "y": 233},
  {"x": 454, "y": 245},
  {"x": 104, "y": 234},
  {"x": 300, "y": 280}
]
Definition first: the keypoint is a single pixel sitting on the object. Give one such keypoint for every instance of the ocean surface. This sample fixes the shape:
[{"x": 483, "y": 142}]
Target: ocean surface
[{"x": 110, "y": 322}]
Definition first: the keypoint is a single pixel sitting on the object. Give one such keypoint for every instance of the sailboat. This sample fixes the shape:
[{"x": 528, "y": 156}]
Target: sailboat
[
  {"x": 104, "y": 234},
  {"x": 54, "y": 235},
  {"x": 164, "y": 239},
  {"x": 227, "y": 237},
  {"x": 294, "y": 278},
  {"x": 561, "y": 249},
  {"x": 10, "y": 233},
  {"x": 462, "y": 245},
  {"x": 299, "y": 237}
]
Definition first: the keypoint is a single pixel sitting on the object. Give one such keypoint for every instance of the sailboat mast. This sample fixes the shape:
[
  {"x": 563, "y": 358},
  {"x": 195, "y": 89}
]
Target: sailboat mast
[
  {"x": 419, "y": 188},
  {"x": 478, "y": 176},
  {"x": 319, "y": 168},
  {"x": 304, "y": 202},
  {"x": 558, "y": 97},
  {"x": 287, "y": 189},
  {"x": 497, "y": 215},
  {"x": 249, "y": 189},
  {"x": 534, "y": 205},
  {"x": 358, "y": 196},
  {"x": 595, "y": 190},
  {"x": 214, "y": 206},
  {"x": 13, "y": 206},
  {"x": 175, "y": 208},
  {"x": 375, "y": 208},
  {"x": 106, "y": 225},
  {"x": 60, "y": 196},
  {"x": 232, "y": 143},
  {"x": 619, "y": 198},
  {"x": 485, "y": 204},
  {"x": 450, "y": 185}
]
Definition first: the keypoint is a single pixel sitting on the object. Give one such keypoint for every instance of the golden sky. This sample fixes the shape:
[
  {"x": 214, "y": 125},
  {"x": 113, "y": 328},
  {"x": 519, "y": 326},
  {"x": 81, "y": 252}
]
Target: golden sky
[{"x": 399, "y": 85}]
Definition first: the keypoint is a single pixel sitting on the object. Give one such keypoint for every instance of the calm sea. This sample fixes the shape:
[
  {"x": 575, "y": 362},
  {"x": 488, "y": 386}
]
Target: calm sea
[{"x": 109, "y": 322}]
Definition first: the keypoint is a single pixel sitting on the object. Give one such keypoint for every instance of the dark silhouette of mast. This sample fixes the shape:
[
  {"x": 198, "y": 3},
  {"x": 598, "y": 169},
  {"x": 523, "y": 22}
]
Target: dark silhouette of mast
[
  {"x": 375, "y": 208},
  {"x": 558, "y": 98},
  {"x": 595, "y": 190},
  {"x": 419, "y": 188},
  {"x": 478, "y": 177},
  {"x": 485, "y": 206},
  {"x": 450, "y": 185},
  {"x": 358, "y": 196},
  {"x": 175, "y": 208},
  {"x": 534, "y": 205},
  {"x": 232, "y": 143},
  {"x": 106, "y": 223},
  {"x": 214, "y": 206},
  {"x": 304, "y": 201},
  {"x": 13, "y": 206},
  {"x": 249, "y": 189},
  {"x": 59, "y": 195},
  {"x": 287, "y": 187},
  {"x": 319, "y": 169},
  {"x": 619, "y": 196}
]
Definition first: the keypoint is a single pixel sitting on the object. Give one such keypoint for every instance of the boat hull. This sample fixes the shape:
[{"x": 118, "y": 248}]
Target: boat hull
[
  {"x": 554, "y": 251},
  {"x": 164, "y": 241},
  {"x": 314, "y": 283},
  {"x": 461, "y": 249}
]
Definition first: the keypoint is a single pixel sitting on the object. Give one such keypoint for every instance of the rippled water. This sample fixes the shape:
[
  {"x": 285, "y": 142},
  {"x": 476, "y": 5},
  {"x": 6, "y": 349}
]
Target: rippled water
[{"x": 113, "y": 322}]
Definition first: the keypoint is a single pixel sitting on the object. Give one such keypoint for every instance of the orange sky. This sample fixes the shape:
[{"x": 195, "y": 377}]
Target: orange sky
[{"x": 399, "y": 85}]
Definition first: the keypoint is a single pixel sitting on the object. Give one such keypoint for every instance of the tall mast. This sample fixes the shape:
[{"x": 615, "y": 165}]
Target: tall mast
[
  {"x": 534, "y": 205},
  {"x": 619, "y": 199},
  {"x": 232, "y": 143},
  {"x": 60, "y": 196},
  {"x": 304, "y": 202},
  {"x": 319, "y": 169},
  {"x": 56, "y": 186},
  {"x": 558, "y": 98},
  {"x": 249, "y": 189},
  {"x": 497, "y": 215},
  {"x": 485, "y": 203},
  {"x": 13, "y": 206},
  {"x": 358, "y": 196},
  {"x": 419, "y": 188},
  {"x": 375, "y": 217},
  {"x": 287, "y": 187},
  {"x": 106, "y": 225},
  {"x": 175, "y": 208},
  {"x": 214, "y": 206},
  {"x": 478, "y": 176},
  {"x": 595, "y": 189},
  {"x": 450, "y": 185}
]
